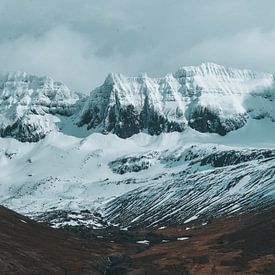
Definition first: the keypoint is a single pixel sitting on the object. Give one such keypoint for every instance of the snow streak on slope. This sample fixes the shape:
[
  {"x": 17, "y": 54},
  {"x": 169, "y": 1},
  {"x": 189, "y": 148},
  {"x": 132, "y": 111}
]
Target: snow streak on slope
[{"x": 200, "y": 195}]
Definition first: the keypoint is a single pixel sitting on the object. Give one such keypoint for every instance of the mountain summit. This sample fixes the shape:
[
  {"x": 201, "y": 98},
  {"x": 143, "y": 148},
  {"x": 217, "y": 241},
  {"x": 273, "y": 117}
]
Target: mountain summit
[
  {"x": 29, "y": 105},
  {"x": 208, "y": 98}
]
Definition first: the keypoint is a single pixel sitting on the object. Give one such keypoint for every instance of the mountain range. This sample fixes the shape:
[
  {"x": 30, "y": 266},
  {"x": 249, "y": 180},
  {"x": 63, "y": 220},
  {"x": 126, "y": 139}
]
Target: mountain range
[{"x": 194, "y": 145}]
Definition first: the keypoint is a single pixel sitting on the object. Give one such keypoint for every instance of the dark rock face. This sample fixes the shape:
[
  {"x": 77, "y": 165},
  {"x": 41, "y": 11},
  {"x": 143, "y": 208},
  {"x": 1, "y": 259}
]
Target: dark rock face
[
  {"x": 208, "y": 121},
  {"x": 233, "y": 157},
  {"x": 216, "y": 158},
  {"x": 156, "y": 123},
  {"x": 131, "y": 164},
  {"x": 126, "y": 122},
  {"x": 23, "y": 132},
  {"x": 91, "y": 118}
]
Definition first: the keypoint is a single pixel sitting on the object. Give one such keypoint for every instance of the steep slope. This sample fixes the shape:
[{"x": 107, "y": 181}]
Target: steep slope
[
  {"x": 29, "y": 105},
  {"x": 225, "y": 246},
  {"x": 209, "y": 98},
  {"x": 231, "y": 183},
  {"x": 28, "y": 247}
]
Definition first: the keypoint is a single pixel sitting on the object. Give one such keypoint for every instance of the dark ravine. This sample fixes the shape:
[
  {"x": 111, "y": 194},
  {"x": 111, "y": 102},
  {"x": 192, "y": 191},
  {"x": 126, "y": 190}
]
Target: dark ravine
[{"x": 242, "y": 245}]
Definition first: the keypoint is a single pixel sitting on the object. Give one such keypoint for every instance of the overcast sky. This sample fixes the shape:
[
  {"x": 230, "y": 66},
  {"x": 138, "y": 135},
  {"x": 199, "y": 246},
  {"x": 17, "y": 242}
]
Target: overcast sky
[{"x": 80, "y": 41}]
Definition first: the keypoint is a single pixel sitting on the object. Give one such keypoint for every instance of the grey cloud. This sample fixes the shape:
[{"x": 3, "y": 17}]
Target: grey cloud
[
  {"x": 79, "y": 42},
  {"x": 252, "y": 49}
]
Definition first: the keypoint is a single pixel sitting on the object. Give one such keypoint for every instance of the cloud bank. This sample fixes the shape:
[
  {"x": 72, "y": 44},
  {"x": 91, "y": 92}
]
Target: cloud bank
[{"x": 80, "y": 42}]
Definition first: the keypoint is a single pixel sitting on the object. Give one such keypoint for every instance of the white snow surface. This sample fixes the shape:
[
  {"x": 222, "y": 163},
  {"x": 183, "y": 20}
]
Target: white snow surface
[
  {"x": 146, "y": 242},
  {"x": 182, "y": 238}
]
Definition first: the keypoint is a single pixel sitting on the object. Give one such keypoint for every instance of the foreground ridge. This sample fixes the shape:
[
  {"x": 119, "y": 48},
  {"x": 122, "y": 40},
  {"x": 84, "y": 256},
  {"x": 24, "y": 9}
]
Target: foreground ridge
[{"x": 224, "y": 246}]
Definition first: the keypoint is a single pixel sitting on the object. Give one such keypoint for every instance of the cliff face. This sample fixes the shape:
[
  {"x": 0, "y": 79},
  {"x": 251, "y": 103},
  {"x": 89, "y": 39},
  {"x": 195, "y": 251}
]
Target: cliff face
[{"x": 126, "y": 106}]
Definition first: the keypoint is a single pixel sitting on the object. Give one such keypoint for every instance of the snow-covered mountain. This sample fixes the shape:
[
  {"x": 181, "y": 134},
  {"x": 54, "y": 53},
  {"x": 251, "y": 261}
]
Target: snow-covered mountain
[
  {"x": 168, "y": 153},
  {"x": 68, "y": 180},
  {"x": 208, "y": 98},
  {"x": 29, "y": 105}
]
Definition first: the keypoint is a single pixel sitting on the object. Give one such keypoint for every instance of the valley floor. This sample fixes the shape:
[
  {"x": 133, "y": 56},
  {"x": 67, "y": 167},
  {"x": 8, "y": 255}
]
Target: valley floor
[{"x": 236, "y": 245}]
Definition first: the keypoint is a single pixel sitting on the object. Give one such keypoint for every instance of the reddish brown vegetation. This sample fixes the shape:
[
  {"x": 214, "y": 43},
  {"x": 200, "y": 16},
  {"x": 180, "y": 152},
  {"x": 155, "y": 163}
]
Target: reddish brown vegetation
[
  {"x": 27, "y": 247},
  {"x": 243, "y": 245}
]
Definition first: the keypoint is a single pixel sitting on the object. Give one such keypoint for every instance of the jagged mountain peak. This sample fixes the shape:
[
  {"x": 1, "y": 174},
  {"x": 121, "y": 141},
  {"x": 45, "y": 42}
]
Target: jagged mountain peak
[
  {"x": 208, "y": 98},
  {"x": 12, "y": 80},
  {"x": 118, "y": 78},
  {"x": 24, "y": 83},
  {"x": 203, "y": 69},
  {"x": 112, "y": 78},
  {"x": 29, "y": 103},
  {"x": 208, "y": 76}
]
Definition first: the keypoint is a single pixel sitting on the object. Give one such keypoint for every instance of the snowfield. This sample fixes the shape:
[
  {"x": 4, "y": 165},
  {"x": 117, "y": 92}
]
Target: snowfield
[{"x": 110, "y": 175}]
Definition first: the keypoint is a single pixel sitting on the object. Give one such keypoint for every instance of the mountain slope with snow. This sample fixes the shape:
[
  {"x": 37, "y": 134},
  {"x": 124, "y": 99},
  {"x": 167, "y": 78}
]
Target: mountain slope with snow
[
  {"x": 29, "y": 105},
  {"x": 239, "y": 186},
  {"x": 163, "y": 148},
  {"x": 68, "y": 180}
]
